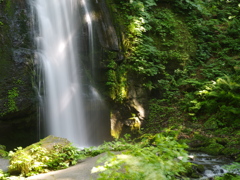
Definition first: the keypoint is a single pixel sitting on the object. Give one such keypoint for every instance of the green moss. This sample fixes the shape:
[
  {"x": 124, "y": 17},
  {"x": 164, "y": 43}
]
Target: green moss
[
  {"x": 172, "y": 35},
  {"x": 193, "y": 170},
  {"x": 9, "y": 8},
  {"x": 117, "y": 80},
  {"x": 202, "y": 140},
  {"x": 211, "y": 143},
  {"x": 232, "y": 151},
  {"x": 4, "y": 66},
  {"x": 11, "y": 104},
  {"x": 213, "y": 149}
]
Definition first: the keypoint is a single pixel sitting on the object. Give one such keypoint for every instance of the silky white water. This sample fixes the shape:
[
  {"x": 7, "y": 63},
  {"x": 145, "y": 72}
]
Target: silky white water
[{"x": 57, "y": 47}]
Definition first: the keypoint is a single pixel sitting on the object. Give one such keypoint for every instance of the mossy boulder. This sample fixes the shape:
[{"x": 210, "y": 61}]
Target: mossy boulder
[
  {"x": 50, "y": 142},
  {"x": 48, "y": 154},
  {"x": 213, "y": 145},
  {"x": 213, "y": 148},
  {"x": 195, "y": 171}
]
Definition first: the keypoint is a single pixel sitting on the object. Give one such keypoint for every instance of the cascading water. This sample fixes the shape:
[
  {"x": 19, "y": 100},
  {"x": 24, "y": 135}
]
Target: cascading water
[{"x": 66, "y": 103}]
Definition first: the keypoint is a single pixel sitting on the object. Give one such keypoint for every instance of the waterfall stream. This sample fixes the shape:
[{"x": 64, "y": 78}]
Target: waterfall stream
[
  {"x": 66, "y": 103},
  {"x": 213, "y": 165}
]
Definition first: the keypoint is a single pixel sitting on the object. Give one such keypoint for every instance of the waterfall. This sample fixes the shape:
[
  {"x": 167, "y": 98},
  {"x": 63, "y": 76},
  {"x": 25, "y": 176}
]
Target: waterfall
[{"x": 66, "y": 103}]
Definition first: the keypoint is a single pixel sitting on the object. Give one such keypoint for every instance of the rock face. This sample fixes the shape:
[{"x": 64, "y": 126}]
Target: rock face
[
  {"x": 107, "y": 34},
  {"x": 17, "y": 96},
  {"x": 125, "y": 116}
]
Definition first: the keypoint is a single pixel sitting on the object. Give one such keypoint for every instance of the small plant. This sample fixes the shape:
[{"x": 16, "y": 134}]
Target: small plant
[
  {"x": 12, "y": 94},
  {"x": 3, "y": 152},
  {"x": 3, "y": 175},
  {"x": 11, "y": 101}
]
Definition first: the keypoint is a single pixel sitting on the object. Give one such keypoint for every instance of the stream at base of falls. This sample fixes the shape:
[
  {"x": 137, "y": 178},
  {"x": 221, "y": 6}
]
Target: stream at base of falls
[{"x": 213, "y": 165}]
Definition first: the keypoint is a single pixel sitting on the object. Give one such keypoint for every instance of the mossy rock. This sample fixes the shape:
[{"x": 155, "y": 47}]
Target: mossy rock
[
  {"x": 199, "y": 168},
  {"x": 48, "y": 154},
  {"x": 51, "y": 141},
  {"x": 213, "y": 149},
  {"x": 222, "y": 141},
  {"x": 194, "y": 171},
  {"x": 199, "y": 141},
  {"x": 233, "y": 152}
]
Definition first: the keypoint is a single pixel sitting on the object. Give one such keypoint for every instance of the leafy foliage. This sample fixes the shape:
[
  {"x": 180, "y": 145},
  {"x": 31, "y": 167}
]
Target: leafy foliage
[
  {"x": 162, "y": 114},
  {"x": 3, "y": 152},
  {"x": 228, "y": 176},
  {"x": 116, "y": 145},
  {"x": 3, "y": 175},
  {"x": 141, "y": 159},
  {"x": 39, "y": 160},
  {"x": 155, "y": 43},
  {"x": 219, "y": 100},
  {"x": 154, "y": 157},
  {"x": 186, "y": 52},
  {"x": 206, "y": 85}
]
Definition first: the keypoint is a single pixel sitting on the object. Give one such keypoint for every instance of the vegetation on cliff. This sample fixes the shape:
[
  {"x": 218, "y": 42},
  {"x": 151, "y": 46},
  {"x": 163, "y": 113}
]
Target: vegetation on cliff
[
  {"x": 18, "y": 116},
  {"x": 186, "y": 54}
]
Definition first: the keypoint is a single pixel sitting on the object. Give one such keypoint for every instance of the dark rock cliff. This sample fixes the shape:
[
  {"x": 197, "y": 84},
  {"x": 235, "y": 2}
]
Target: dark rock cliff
[
  {"x": 17, "y": 96},
  {"x": 126, "y": 116}
]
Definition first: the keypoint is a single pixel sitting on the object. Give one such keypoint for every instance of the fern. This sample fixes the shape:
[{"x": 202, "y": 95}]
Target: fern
[{"x": 220, "y": 98}]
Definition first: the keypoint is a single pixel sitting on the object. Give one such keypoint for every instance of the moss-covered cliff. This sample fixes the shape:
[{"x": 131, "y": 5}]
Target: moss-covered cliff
[
  {"x": 17, "y": 97},
  {"x": 182, "y": 60}
]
